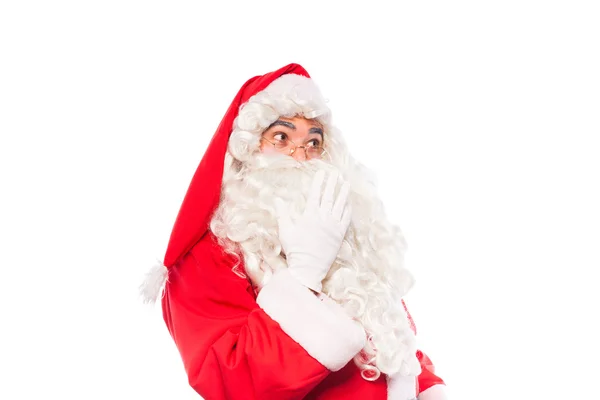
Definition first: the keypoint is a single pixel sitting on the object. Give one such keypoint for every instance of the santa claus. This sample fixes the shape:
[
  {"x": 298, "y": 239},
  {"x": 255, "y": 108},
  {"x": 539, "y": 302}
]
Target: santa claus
[{"x": 283, "y": 278}]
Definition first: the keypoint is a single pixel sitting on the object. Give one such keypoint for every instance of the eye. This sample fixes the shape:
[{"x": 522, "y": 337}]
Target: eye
[
  {"x": 280, "y": 137},
  {"x": 314, "y": 143}
]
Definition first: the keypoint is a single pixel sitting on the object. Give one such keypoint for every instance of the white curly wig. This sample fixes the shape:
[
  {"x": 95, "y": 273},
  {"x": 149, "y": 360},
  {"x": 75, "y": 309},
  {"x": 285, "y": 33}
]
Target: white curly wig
[{"x": 368, "y": 277}]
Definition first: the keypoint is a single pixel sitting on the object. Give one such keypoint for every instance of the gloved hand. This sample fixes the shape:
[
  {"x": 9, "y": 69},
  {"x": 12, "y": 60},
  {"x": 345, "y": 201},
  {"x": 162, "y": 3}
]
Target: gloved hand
[{"x": 312, "y": 243}]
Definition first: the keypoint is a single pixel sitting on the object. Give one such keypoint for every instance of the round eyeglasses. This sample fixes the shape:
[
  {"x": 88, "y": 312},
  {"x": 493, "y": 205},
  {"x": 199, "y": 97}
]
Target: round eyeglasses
[{"x": 289, "y": 147}]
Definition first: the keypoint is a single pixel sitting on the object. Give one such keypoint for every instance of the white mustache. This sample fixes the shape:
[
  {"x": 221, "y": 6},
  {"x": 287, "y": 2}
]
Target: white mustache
[{"x": 286, "y": 177}]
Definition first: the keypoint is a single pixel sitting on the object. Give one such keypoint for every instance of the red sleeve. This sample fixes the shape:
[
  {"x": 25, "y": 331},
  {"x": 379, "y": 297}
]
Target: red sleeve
[
  {"x": 231, "y": 349},
  {"x": 427, "y": 378}
]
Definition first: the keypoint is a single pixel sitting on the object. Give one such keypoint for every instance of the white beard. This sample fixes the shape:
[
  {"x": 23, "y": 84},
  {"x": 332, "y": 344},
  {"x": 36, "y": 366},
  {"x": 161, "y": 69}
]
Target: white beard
[{"x": 368, "y": 277}]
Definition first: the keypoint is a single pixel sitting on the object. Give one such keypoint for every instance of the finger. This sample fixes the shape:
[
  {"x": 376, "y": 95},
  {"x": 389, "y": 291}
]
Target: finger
[
  {"x": 346, "y": 218},
  {"x": 340, "y": 202},
  {"x": 327, "y": 202},
  {"x": 312, "y": 202}
]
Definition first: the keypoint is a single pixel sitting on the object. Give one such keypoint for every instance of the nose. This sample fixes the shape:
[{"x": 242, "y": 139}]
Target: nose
[{"x": 299, "y": 154}]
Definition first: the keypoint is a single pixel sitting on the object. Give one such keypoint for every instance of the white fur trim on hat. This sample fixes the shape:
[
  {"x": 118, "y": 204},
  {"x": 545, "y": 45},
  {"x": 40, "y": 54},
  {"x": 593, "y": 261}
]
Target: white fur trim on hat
[
  {"x": 299, "y": 90},
  {"x": 287, "y": 96},
  {"x": 154, "y": 282},
  {"x": 319, "y": 325}
]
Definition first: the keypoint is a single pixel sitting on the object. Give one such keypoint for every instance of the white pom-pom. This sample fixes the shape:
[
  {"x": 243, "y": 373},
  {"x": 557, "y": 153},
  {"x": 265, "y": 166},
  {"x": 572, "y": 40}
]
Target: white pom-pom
[{"x": 154, "y": 282}]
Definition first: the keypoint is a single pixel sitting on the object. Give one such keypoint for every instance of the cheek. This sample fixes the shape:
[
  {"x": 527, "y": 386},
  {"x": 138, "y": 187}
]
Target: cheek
[{"x": 266, "y": 147}]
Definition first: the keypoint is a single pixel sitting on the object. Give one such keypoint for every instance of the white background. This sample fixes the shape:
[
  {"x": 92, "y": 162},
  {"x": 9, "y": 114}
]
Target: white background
[{"x": 480, "y": 119}]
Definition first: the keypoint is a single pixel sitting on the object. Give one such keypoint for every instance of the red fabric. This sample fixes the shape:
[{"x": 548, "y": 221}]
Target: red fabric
[
  {"x": 348, "y": 384},
  {"x": 232, "y": 350},
  {"x": 427, "y": 378},
  {"x": 203, "y": 194}
]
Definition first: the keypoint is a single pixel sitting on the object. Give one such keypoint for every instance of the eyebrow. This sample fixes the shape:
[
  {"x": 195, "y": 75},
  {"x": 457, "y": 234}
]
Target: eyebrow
[
  {"x": 292, "y": 126},
  {"x": 316, "y": 130}
]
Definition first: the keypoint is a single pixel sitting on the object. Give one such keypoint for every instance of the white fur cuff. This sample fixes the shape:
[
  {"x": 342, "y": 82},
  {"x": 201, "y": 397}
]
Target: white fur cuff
[
  {"x": 319, "y": 325},
  {"x": 436, "y": 392},
  {"x": 402, "y": 387}
]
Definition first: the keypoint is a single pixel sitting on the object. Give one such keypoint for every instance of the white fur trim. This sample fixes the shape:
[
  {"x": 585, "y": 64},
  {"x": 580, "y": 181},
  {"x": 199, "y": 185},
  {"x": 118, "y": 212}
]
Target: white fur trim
[
  {"x": 402, "y": 387},
  {"x": 435, "y": 392},
  {"x": 319, "y": 325},
  {"x": 154, "y": 282},
  {"x": 302, "y": 91},
  {"x": 289, "y": 95}
]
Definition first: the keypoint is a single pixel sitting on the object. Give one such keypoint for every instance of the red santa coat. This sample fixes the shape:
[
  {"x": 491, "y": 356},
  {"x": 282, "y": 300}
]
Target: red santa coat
[
  {"x": 233, "y": 349},
  {"x": 283, "y": 344}
]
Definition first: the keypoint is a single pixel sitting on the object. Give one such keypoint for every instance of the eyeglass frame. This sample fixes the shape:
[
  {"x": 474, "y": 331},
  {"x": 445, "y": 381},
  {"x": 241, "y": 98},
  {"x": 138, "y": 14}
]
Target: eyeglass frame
[{"x": 295, "y": 146}]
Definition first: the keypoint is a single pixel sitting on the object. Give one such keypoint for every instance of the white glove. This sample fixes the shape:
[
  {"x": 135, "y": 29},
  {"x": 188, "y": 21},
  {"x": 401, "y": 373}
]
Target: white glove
[{"x": 312, "y": 243}]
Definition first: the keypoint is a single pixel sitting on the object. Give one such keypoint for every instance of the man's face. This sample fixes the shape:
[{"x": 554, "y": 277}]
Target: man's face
[{"x": 286, "y": 133}]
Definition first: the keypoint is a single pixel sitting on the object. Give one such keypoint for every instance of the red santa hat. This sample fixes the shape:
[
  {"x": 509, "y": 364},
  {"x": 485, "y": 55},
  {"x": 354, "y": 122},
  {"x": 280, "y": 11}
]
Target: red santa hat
[{"x": 287, "y": 91}]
